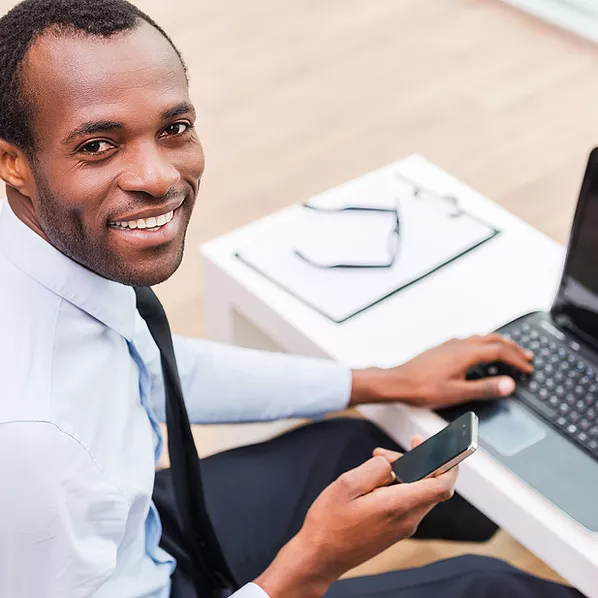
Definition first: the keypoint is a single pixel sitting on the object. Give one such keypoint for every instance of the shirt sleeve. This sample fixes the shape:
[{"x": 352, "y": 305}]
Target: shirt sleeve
[
  {"x": 251, "y": 590},
  {"x": 66, "y": 521},
  {"x": 224, "y": 383}
]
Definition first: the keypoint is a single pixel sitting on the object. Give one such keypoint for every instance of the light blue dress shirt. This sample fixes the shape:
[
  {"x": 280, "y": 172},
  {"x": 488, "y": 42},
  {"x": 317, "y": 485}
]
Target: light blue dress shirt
[{"x": 81, "y": 397}]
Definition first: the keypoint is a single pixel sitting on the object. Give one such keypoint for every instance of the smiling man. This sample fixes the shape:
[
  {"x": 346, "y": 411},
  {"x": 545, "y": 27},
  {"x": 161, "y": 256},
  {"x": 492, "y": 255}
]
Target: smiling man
[
  {"x": 110, "y": 132},
  {"x": 102, "y": 167}
]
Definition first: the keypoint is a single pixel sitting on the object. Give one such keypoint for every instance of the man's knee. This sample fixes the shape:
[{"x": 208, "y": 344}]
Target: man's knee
[
  {"x": 486, "y": 577},
  {"x": 352, "y": 428}
]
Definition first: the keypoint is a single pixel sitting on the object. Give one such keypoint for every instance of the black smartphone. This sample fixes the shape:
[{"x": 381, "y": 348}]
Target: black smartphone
[{"x": 440, "y": 452}]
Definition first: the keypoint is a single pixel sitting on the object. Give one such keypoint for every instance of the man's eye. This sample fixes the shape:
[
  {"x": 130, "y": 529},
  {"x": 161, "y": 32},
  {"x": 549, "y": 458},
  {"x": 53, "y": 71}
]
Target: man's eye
[
  {"x": 175, "y": 129},
  {"x": 96, "y": 147}
]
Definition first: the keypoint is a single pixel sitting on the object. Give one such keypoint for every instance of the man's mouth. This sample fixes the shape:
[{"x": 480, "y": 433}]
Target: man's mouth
[{"x": 153, "y": 223}]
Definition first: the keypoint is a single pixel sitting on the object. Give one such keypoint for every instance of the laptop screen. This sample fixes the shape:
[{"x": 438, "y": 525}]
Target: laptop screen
[{"x": 578, "y": 295}]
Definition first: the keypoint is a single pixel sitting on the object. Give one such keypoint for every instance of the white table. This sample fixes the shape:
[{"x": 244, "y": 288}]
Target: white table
[{"x": 515, "y": 273}]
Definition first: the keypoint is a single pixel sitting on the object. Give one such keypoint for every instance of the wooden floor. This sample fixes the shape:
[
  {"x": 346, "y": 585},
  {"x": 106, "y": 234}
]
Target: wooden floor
[{"x": 298, "y": 96}]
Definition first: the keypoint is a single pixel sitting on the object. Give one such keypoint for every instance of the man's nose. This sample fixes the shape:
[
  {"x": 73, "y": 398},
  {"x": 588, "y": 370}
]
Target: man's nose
[{"x": 149, "y": 171}]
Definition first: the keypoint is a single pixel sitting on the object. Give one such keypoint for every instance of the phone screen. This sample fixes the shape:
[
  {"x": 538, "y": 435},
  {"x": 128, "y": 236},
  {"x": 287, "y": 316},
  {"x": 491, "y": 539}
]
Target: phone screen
[{"x": 457, "y": 438}]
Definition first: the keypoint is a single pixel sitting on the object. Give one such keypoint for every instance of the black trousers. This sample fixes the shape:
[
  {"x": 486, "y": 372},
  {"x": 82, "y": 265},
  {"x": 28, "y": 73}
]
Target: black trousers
[{"x": 258, "y": 495}]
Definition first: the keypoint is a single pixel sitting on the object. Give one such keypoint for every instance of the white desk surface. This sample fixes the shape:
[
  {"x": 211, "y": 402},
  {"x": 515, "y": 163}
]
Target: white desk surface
[{"x": 515, "y": 273}]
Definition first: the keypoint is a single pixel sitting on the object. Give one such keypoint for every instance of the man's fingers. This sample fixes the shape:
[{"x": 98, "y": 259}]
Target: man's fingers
[
  {"x": 505, "y": 353},
  {"x": 423, "y": 494},
  {"x": 488, "y": 349},
  {"x": 416, "y": 441},
  {"x": 450, "y": 477},
  {"x": 374, "y": 473},
  {"x": 509, "y": 353},
  {"x": 390, "y": 456},
  {"x": 486, "y": 388},
  {"x": 499, "y": 338},
  {"x": 442, "y": 487}
]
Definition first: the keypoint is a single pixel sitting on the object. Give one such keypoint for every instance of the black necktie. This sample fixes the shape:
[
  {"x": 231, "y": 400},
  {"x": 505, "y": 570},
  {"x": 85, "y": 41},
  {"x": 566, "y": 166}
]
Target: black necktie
[{"x": 213, "y": 575}]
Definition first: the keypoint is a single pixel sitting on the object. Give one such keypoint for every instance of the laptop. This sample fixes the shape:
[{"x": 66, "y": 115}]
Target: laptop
[{"x": 547, "y": 432}]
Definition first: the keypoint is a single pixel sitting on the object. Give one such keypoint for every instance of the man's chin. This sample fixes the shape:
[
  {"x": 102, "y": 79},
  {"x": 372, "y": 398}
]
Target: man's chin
[
  {"x": 128, "y": 266},
  {"x": 142, "y": 272},
  {"x": 146, "y": 281},
  {"x": 147, "y": 277}
]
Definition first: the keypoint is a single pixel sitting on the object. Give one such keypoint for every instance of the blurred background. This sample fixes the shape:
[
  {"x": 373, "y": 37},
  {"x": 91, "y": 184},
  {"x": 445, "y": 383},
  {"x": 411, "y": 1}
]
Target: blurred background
[{"x": 297, "y": 96}]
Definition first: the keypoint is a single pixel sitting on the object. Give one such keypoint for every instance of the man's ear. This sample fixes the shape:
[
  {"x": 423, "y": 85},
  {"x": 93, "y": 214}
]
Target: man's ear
[{"x": 14, "y": 167}]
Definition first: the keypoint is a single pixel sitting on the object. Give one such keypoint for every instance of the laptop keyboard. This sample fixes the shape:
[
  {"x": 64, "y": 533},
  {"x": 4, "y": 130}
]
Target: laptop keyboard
[{"x": 563, "y": 388}]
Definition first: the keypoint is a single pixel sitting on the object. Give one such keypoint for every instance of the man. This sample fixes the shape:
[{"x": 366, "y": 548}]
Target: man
[{"x": 102, "y": 167}]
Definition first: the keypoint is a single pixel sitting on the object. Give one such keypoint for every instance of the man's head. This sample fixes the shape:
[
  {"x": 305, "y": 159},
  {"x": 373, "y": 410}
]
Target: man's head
[{"x": 97, "y": 145}]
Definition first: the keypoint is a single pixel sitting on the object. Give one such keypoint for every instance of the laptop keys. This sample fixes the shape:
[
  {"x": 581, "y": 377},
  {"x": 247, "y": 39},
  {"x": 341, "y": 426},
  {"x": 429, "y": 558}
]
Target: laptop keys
[{"x": 563, "y": 388}]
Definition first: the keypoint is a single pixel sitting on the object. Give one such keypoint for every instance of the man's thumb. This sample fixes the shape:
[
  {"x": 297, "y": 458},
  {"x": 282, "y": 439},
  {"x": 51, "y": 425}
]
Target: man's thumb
[
  {"x": 486, "y": 388},
  {"x": 372, "y": 474}
]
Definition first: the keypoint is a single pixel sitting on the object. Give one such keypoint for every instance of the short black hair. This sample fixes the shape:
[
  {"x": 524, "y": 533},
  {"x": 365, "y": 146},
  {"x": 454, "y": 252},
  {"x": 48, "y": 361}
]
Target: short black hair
[{"x": 29, "y": 19}]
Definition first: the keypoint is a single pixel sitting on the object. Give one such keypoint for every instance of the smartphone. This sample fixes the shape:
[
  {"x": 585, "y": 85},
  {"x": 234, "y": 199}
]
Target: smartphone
[{"x": 440, "y": 452}]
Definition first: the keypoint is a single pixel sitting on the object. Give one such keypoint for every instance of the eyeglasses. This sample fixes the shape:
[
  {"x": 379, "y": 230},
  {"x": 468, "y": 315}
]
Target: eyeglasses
[
  {"x": 417, "y": 191},
  {"x": 449, "y": 202},
  {"x": 393, "y": 239}
]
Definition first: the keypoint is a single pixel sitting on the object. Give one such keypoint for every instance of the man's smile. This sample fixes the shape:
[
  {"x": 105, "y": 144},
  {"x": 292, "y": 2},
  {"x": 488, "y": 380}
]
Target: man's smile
[
  {"x": 149, "y": 217},
  {"x": 157, "y": 229},
  {"x": 153, "y": 222}
]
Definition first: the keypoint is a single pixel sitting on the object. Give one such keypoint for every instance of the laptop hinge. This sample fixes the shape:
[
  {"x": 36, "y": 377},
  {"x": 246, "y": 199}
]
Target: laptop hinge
[{"x": 566, "y": 323}]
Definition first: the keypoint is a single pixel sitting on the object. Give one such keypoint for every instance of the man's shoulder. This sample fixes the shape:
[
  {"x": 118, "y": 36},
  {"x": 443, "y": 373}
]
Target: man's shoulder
[
  {"x": 28, "y": 314},
  {"x": 23, "y": 299}
]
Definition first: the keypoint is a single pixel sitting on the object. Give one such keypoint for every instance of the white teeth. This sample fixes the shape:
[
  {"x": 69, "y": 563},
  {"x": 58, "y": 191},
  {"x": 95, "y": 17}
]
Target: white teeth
[{"x": 153, "y": 222}]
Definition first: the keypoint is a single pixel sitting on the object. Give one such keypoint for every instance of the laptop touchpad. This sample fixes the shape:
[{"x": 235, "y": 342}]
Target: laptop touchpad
[{"x": 508, "y": 428}]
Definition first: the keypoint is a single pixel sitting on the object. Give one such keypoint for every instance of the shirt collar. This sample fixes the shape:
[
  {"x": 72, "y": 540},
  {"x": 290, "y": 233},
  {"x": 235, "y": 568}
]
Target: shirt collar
[{"x": 110, "y": 302}]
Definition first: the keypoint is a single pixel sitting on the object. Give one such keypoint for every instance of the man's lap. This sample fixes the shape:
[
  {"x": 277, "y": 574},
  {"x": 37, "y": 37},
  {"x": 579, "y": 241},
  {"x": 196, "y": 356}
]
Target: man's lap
[
  {"x": 460, "y": 577},
  {"x": 258, "y": 495}
]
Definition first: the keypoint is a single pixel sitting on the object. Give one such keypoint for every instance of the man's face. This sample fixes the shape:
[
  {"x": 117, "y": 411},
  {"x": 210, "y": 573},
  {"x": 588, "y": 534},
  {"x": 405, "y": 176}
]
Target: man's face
[{"x": 117, "y": 162}]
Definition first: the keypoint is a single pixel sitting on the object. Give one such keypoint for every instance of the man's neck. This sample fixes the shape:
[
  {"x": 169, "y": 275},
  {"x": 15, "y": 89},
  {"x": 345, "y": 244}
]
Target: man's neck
[{"x": 23, "y": 209}]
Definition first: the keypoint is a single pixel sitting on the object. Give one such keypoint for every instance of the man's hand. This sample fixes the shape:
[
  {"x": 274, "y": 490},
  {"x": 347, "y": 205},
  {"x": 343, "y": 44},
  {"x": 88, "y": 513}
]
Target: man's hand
[
  {"x": 353, "y": 520},
  {"x": 436, "y": 378}
]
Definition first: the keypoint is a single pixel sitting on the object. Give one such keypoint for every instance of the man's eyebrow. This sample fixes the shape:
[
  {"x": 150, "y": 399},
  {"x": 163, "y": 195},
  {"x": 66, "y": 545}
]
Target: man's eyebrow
[
  {"x": 178, "y": 110},
  {"x": 101, "y": 126},
  {"x": 92, "y": 127}
]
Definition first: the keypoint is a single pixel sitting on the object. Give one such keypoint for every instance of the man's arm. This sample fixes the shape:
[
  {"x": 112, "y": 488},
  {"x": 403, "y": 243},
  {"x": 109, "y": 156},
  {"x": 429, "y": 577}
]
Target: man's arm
[
  {"x": 223, "y": 383},
  {"x": 61, "y": 521}
]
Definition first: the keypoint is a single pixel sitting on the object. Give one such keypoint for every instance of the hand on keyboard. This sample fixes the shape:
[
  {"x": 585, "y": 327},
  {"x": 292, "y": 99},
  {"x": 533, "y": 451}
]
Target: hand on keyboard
[
  {"x": 563, "y": 388},
  {"x": 437, "y": 378},
  {"x": 496, "y": 368}
]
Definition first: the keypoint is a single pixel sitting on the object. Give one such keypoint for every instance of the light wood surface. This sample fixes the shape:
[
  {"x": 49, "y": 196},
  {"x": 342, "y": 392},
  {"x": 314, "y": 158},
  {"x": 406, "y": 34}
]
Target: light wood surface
[{"x": 298, "y": 96}]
